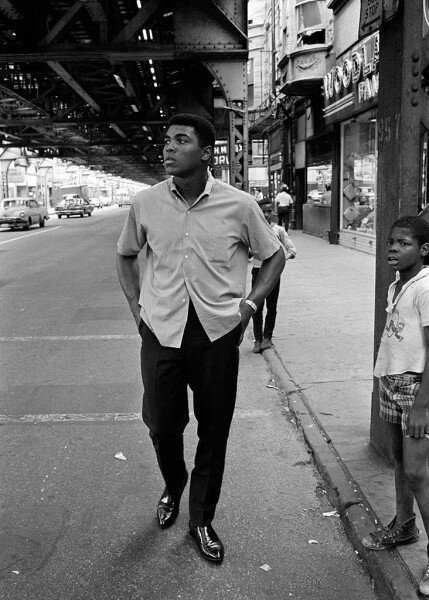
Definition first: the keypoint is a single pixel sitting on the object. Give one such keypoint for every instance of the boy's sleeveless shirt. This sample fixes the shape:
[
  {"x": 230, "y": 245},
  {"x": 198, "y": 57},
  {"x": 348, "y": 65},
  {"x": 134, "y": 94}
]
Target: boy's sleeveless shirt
[{"x": 402, "y": 346}]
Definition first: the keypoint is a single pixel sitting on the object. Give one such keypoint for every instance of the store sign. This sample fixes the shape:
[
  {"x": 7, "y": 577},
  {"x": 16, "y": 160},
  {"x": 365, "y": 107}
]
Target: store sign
[
  {"x": 353, "y": 83},
  {"x": 371, "y": 15},
  {"x": 221, "y": 153},
  {"x": 16, "y": 175}
]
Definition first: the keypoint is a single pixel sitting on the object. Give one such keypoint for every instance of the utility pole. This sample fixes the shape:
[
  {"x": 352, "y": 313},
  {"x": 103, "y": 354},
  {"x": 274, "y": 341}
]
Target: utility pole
[{"x": 400, "y": 106}]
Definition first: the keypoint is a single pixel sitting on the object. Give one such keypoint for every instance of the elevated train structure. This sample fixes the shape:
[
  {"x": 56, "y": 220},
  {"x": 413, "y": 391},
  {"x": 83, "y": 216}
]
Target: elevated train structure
[{"x": 95, "y": 81}]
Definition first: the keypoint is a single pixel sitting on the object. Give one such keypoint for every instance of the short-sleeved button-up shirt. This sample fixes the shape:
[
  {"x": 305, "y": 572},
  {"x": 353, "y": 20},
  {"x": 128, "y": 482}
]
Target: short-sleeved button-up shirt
[{"x": 198, "y": 253}]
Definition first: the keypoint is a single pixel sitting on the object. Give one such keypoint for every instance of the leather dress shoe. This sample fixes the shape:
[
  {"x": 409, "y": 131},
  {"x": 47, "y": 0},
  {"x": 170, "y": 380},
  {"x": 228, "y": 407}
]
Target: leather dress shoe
[
  {"x": 208, "y": 542},
  {"x": 168, "y": 507}
]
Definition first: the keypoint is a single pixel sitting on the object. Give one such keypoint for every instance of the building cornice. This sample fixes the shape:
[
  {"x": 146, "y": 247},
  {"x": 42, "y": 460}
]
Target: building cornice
[{"x": 335, "y": 5}]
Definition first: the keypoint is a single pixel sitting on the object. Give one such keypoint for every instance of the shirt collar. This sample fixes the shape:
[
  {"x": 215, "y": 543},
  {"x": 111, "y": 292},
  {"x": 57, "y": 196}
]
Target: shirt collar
[
  {"x": 391, "y": 305},
  {"x": 207, "y": 190}
]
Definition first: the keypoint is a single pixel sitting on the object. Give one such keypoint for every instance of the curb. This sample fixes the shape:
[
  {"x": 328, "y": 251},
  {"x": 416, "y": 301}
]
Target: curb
[{"x": 392, "y": 577}]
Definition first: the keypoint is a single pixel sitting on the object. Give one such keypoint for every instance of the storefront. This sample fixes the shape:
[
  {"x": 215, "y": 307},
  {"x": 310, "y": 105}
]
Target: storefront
[
  {"x": 351, "y": 96},
  {"x": 317, "y": 209}
]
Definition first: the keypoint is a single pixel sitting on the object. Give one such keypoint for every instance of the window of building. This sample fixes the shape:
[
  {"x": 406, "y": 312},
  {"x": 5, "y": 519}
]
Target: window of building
[
  {"x": 310, "y": 28},
  {"x": 359, "y": 173}
]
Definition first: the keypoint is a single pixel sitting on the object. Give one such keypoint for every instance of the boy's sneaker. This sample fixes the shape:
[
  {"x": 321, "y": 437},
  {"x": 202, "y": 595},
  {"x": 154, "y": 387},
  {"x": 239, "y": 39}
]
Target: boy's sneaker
[
  {"x": 257, "y": 347},
  {"x": 424, "y": 582},
  {"x": 392, "y": 536},
  {"x": 266, "y": 343}
]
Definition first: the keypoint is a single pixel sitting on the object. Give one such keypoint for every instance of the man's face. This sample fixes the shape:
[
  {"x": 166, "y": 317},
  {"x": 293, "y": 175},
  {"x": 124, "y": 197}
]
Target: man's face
[{"x": 183, "y": 155}]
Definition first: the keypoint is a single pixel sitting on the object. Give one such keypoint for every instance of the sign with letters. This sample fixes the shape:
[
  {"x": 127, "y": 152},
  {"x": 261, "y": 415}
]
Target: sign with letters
[
  {"x": 352, "y": 85},
  {"x": 371, "y": 15}
]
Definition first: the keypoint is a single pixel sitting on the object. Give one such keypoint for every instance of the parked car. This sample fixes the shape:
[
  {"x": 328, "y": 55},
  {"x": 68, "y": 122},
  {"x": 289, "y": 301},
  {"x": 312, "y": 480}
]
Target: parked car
[
  {"x": 22, "y": 212},
  {"x": 95, "y": 202},
  {"x": 73, "y": 205}
]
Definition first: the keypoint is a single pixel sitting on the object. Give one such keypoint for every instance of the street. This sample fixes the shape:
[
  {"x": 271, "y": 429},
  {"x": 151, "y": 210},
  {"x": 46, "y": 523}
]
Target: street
[{"x": 78, "y": 522}]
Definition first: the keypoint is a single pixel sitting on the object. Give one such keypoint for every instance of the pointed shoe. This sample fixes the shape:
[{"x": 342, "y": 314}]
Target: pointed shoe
[
  {"x": 167, "y": 509},
  {"x": 208, "y": 542}
]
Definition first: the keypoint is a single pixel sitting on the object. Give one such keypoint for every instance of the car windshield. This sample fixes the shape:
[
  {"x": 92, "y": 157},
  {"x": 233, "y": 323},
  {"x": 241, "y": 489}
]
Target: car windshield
[{"x": 14, "y": 202}]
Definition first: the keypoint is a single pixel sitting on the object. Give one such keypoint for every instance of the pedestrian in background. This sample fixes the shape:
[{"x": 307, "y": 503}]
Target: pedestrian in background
[
  {"x": 191, "y": 312},
  {"x": 258, "y": 195},
  {"x": 283, "y": 203},
  {"x": 263, "y": 333},
  {"x": 403, "y": 369}
]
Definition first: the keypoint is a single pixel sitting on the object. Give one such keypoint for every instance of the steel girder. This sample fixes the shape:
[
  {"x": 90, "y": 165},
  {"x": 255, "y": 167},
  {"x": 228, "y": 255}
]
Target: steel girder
[{"x": 95, "y": 81}]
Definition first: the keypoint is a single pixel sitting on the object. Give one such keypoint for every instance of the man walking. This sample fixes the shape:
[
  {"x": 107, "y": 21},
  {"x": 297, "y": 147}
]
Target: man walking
[
  {"x": 283, "y": 203},
  {"x": 191, "y": 313}
]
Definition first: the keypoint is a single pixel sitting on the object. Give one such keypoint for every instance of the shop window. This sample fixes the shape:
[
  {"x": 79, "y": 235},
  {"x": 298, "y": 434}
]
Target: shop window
[
  {"x": 310, "y": 26},
  {"x": 359, "y": 174},
  {"x": 319, "y": 178}
]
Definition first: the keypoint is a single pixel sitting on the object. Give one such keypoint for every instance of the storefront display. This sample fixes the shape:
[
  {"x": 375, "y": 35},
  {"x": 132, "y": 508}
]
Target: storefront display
[
  {"x": 359, "y": 174},
  {"x": 351, "y": 99}
]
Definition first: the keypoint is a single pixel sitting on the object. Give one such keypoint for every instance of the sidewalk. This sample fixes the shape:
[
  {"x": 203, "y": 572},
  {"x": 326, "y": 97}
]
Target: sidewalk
[{"x": 322, "y": 359}]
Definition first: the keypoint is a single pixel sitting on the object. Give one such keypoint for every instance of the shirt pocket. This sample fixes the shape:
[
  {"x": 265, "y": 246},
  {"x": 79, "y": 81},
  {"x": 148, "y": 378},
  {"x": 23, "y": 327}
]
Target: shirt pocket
[{"x": 218, "y": 249}]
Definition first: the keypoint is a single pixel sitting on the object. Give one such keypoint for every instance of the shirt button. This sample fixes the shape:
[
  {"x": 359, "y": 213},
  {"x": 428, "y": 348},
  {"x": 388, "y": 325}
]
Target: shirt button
[
  {"x": 186, "y": 233},
  {"x": 183, "y": 300},
  {"x": 186, "y": 256}
]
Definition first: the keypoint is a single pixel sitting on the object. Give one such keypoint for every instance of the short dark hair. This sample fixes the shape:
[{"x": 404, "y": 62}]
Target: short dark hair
[
  {"x": 205, "y": 131},
  {"x": 265, "y": 202},
  {"x": 417, "y": 226}
]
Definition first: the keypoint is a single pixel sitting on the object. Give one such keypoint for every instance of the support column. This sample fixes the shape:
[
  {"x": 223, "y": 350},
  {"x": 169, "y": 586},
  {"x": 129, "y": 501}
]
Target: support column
[{"x": 398, "y": 180}]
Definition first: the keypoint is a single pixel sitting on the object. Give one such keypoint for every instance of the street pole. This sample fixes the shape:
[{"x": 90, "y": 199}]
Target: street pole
[{"x": 400, "y": 108}]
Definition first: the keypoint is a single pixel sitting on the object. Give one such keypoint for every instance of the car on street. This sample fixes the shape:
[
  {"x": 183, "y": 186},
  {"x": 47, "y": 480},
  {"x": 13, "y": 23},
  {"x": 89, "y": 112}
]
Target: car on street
[
  {"x": 95, "y": 202},
  {"x": 73, "y": 205},
  {"x": 22, "y": 213}
]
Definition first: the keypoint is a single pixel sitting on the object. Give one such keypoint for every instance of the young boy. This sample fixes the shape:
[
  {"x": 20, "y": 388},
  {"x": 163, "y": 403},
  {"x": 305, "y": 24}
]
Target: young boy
[
  {"x": 263, "y": 334},
  {"x": 403, "y": 370}
]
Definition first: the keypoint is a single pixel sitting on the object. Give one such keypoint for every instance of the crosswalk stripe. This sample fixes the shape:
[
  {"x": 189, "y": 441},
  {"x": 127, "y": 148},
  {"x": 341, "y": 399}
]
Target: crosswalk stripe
[{"x": 67, "y": 338}]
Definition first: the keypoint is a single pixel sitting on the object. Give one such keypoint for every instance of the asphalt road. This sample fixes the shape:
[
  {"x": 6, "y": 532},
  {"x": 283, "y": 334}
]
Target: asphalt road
[{"x": 76, "y": 522}]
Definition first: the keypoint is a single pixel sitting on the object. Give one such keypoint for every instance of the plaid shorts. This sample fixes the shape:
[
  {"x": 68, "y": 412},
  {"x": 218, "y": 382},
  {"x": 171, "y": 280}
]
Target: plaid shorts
[{"x": 397, "y": 395}]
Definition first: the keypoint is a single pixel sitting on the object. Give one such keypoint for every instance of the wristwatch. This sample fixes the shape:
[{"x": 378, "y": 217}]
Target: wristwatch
[{"x": 251, "y": 304}]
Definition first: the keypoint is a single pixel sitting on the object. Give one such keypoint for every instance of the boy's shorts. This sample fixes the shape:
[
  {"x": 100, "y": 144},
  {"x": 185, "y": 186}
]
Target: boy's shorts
[{"x": 397, "y": 395}]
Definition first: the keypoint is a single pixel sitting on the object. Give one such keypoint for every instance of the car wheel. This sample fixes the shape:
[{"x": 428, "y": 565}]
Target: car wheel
[
  {"x": 81, "y": 214},
  {"x": 68, "y": 216},
  {"x": 42, "y": 222},
  {"x": 59, "y": 216},
  {"x": 90, "y": 214},
  {"x": 27, "y": 226}
]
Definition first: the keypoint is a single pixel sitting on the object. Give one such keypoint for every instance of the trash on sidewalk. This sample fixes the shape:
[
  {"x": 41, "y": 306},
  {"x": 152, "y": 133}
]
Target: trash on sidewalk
[
  {"x": 120, "y": 456},
  {"x": 265, "y": 567},
  {"x": 331, "y": 513},
  {"x": 272, "y": 384},
  {"x": 313, "y": 542}
]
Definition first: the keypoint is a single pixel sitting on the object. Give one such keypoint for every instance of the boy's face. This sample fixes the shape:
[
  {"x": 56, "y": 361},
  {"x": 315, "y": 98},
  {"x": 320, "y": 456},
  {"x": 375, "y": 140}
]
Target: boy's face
[
  {"x": 268, "y": 213},
  {"x": 404, "y": 252}
]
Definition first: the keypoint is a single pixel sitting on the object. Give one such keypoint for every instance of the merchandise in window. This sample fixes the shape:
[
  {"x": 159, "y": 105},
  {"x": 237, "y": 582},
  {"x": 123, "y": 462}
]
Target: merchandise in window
[{"x": 359, "y": 173}]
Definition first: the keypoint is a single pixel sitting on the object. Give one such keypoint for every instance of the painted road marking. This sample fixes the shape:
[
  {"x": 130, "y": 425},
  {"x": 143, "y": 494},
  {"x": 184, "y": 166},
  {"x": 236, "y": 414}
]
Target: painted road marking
[
  {"x": 70, "y": 418},
  {"x": 67, "y": 338},
  {"x": 104, "y": 417},
  {"x": 30, "y": 234}
]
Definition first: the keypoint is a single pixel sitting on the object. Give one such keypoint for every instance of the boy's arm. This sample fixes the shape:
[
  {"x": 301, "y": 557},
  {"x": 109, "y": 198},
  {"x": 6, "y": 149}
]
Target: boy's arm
[
  {"x": 287, "y": 243},
  {"x": 418, "y": 420}
]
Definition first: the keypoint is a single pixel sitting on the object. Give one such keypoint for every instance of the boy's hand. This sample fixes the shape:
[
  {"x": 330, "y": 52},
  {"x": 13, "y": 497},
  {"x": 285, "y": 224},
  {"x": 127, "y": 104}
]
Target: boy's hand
[{"x": 418, "y": 421}]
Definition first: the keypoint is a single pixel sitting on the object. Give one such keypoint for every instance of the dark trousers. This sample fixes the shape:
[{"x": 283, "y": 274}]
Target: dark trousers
[
  {"x": 259, "y": 329},
  {"x": 210, "y": 369},
  {"x": 283, "y": 214}
]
